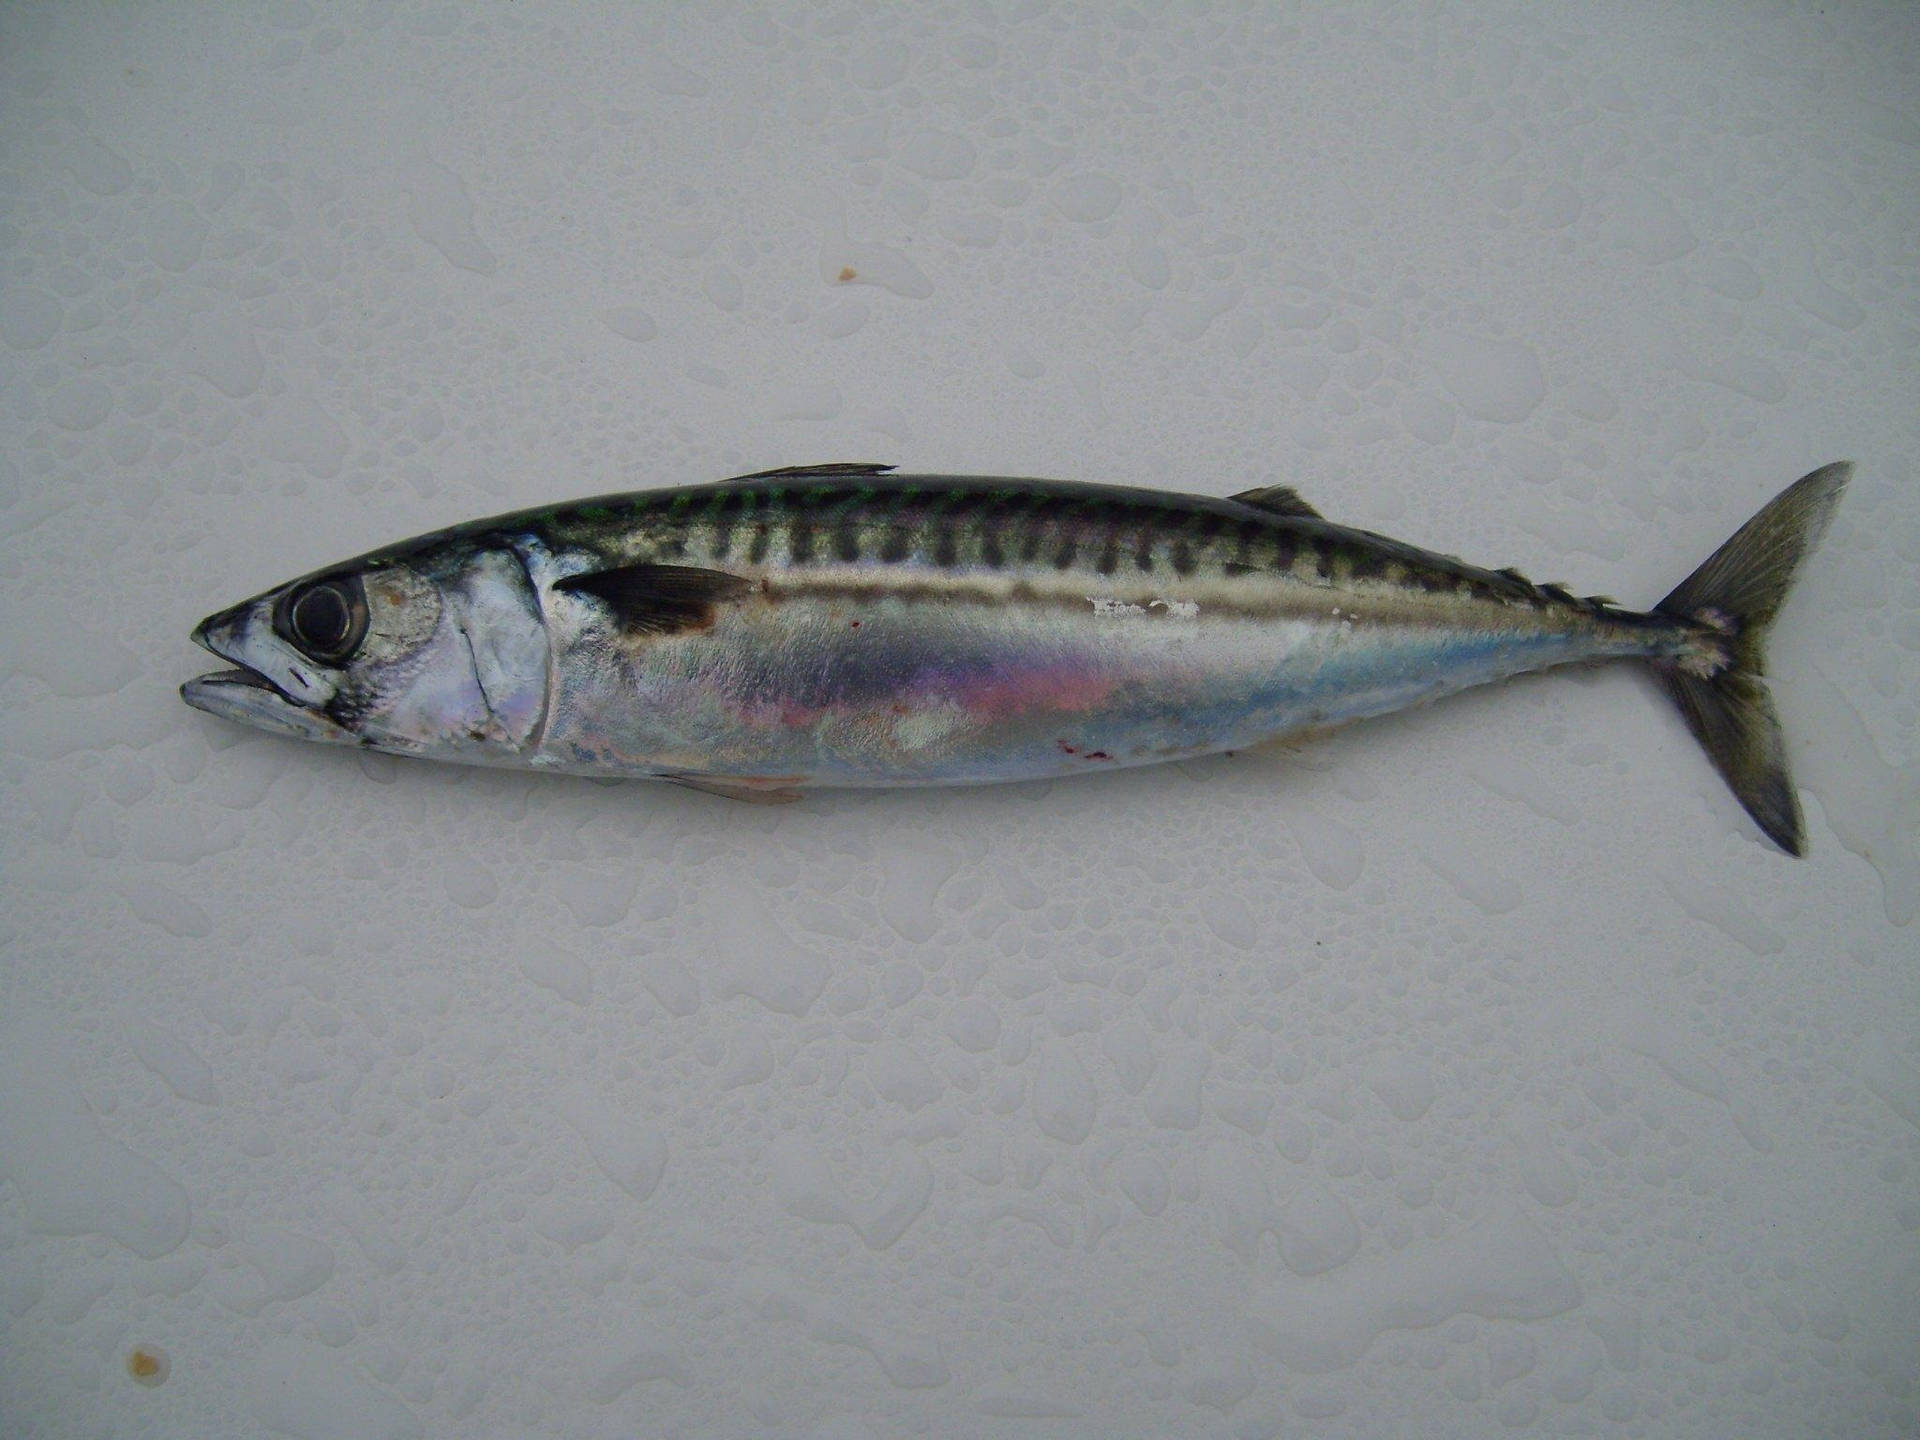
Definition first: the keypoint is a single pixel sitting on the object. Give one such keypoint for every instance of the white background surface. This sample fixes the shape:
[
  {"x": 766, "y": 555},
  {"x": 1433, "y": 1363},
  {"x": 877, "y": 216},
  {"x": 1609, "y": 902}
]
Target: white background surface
[{"x": 1479, "y": 1070}]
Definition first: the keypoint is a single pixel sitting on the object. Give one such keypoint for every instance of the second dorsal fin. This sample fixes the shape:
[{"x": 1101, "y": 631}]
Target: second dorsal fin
[{"x": 1278, "y": 500}]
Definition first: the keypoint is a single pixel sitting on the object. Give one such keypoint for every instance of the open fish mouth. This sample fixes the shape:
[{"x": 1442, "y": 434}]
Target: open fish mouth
[
  {"x": 247, "y": 693},
  {"x": 252, "y": 679},
  {"x": 250, "y": 698}
]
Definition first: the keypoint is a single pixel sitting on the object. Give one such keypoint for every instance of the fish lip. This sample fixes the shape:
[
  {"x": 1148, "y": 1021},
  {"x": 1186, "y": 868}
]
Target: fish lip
[
  {"x": 208, "y": 692},
  {"x": 232, "y": 679},
  {"x": 246, "y": 696}
]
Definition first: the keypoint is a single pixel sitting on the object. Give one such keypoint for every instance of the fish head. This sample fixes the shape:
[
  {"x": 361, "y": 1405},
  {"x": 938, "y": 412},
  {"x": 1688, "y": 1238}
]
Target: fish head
[{"x": 440, "y": 651}]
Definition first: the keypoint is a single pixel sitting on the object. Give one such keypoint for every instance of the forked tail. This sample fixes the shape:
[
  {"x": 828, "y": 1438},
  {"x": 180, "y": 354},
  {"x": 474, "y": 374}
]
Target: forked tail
[{"x": 1719, "y": 687}]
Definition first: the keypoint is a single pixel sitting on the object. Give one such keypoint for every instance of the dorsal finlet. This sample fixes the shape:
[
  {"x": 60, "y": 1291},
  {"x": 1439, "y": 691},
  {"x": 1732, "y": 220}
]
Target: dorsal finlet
[{"x": 1277, "y": 500}]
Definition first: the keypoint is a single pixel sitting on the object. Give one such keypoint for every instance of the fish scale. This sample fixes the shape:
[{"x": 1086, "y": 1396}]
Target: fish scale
[
  {"x": 954, "y": 522},
  {"x": 844, "y": 625}
]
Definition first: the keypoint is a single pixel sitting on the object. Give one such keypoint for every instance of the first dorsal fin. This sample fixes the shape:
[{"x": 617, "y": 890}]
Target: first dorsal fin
[
  {"x": 659, "y": 599},
  {"x": 833, "y": 470},
  {"x": 1278, "y": 500}
]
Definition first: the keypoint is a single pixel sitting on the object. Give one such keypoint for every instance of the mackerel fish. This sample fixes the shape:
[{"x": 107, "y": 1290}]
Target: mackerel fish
[{"x": 843, "y": 625}]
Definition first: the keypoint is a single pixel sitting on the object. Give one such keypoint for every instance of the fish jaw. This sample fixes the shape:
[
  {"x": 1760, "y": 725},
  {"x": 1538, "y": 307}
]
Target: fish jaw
[
  {"x": 244, "y": 636},
  {"x": 248, "y": 697},
  {"x": 270, "y": 688}
]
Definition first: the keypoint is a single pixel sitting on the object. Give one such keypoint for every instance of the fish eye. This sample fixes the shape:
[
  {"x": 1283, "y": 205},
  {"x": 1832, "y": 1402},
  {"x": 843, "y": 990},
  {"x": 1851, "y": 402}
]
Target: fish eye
[{"x": 327, "y": 620}]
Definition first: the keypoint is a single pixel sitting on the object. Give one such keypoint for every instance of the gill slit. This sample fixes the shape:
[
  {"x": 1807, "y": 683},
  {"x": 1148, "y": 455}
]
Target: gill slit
[
  {"x": 473, "y": 659},
  {"x": 537, "y": 737}
]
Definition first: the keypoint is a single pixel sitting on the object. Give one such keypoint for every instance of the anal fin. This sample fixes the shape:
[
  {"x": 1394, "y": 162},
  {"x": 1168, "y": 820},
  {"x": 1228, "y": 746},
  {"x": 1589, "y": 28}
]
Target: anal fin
[{"x": 753, "y": 790}]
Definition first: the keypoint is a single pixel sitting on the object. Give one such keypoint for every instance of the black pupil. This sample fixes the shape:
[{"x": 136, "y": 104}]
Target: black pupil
[{"x": 320, "y": 618}]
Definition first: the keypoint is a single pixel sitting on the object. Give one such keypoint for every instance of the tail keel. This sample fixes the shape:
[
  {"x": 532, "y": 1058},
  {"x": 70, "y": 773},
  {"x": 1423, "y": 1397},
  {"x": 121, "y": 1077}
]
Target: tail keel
[{"x": 1721, "y": 692}]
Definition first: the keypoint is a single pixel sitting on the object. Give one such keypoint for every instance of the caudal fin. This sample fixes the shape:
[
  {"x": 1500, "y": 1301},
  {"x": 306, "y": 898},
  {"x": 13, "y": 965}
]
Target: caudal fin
[{"x": 1720, "y": 690}]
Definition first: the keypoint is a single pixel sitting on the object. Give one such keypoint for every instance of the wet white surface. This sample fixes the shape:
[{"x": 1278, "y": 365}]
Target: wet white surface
[{"x": 1475, "y": 1071}]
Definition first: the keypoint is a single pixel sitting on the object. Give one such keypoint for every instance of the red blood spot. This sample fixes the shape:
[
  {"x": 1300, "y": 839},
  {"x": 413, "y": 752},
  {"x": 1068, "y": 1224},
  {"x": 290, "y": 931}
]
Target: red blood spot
[{"x": 1068, "y": 748}]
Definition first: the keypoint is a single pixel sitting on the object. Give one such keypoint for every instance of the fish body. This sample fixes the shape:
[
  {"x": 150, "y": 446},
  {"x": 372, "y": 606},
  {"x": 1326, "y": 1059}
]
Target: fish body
[{"x": 843, "y": 625}]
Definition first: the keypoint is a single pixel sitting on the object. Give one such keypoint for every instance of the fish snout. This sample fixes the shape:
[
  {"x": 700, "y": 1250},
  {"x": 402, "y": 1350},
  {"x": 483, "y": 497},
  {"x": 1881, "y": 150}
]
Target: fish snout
[{"x": 219, "y": 634}]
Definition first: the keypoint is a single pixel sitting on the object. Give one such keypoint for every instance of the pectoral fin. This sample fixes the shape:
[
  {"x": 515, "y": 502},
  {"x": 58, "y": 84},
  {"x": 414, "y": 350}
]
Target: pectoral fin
[{"x": 659, "y": 599}]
